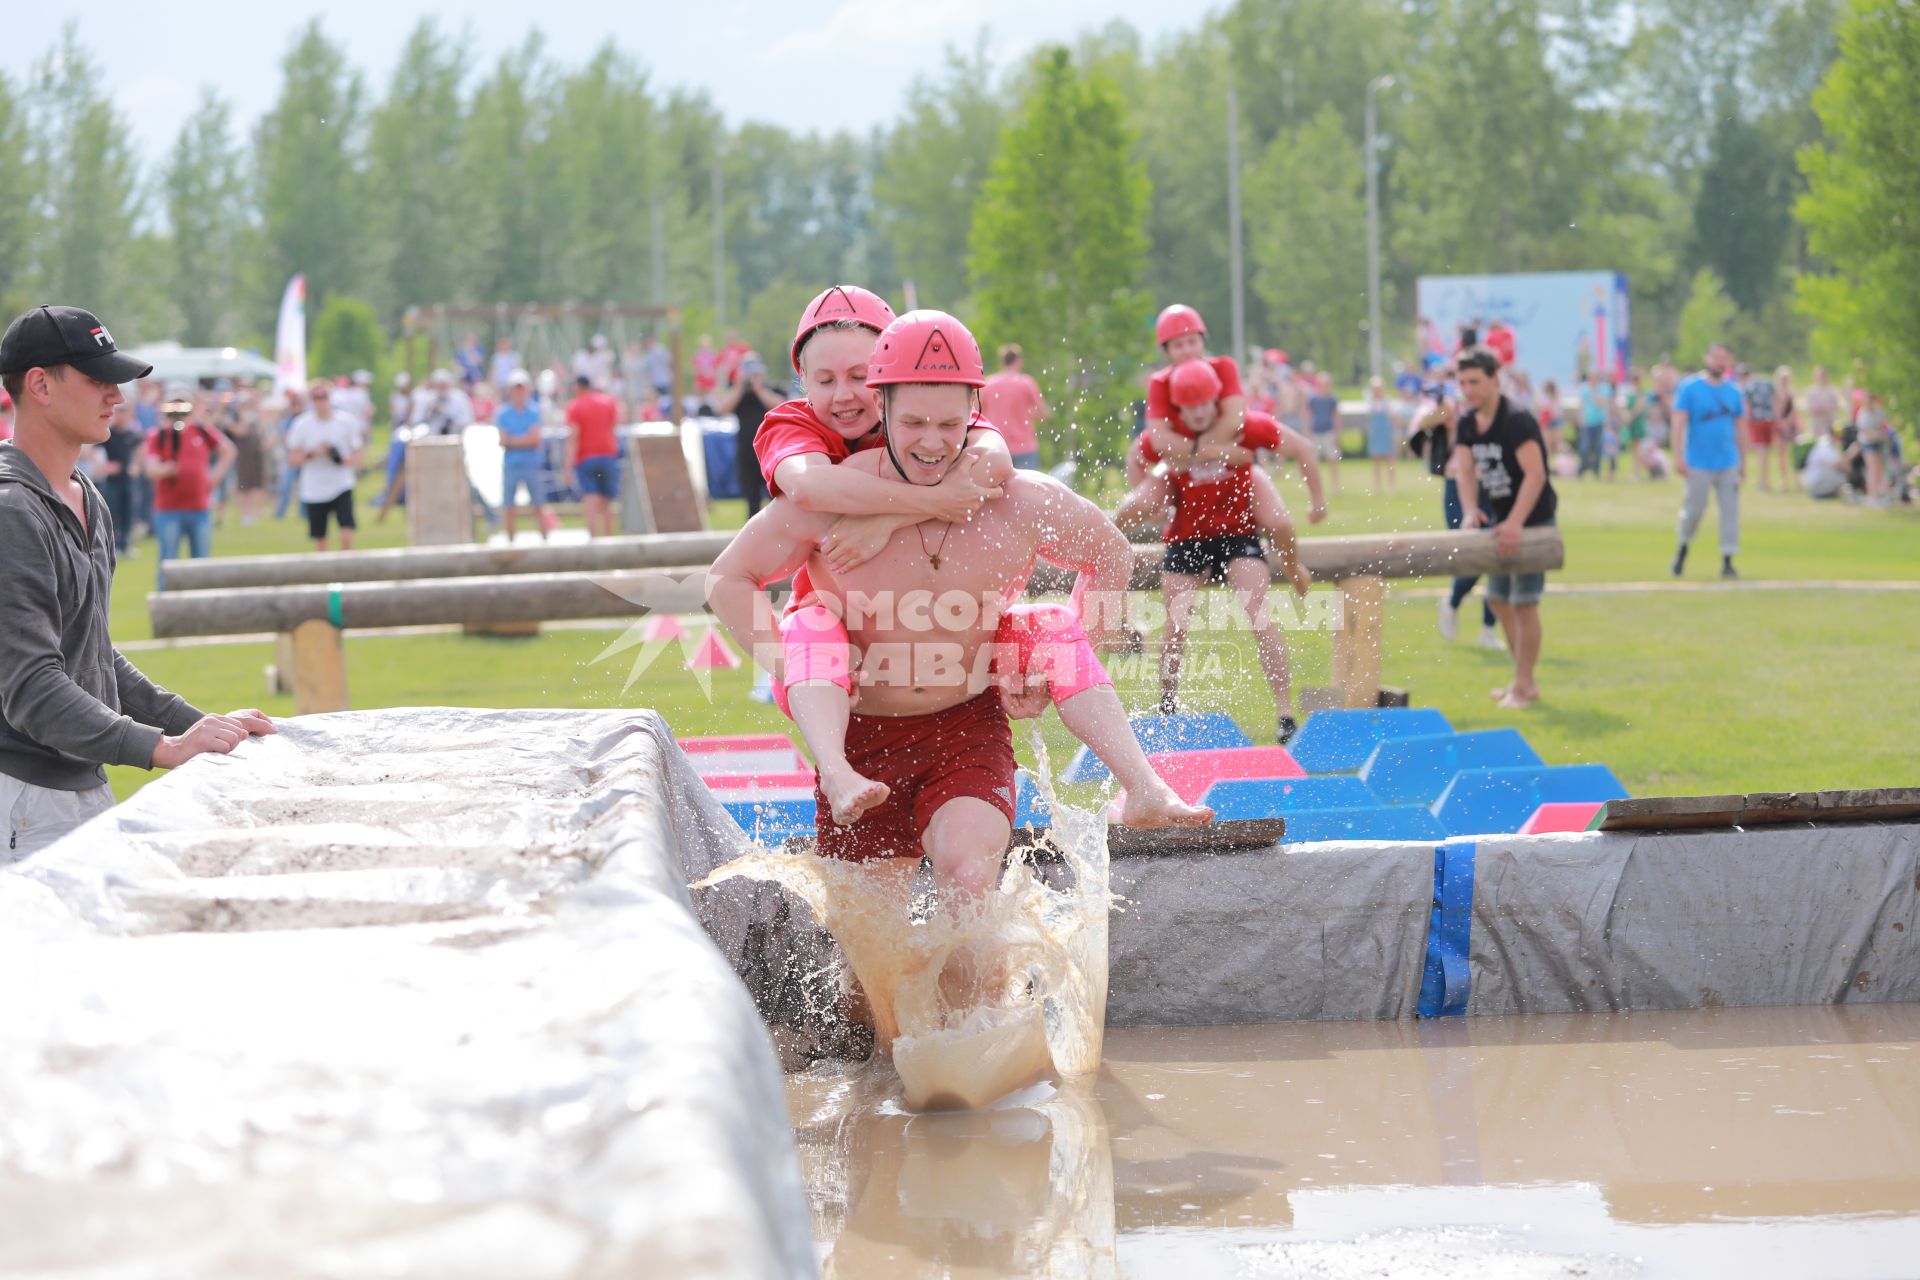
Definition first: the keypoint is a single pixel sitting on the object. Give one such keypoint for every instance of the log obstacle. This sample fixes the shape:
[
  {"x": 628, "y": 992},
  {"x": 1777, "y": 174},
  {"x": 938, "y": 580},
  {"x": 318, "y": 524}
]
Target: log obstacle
[
  {"x": 437, "y": 593},
  {"x": 398, "y": 564}
]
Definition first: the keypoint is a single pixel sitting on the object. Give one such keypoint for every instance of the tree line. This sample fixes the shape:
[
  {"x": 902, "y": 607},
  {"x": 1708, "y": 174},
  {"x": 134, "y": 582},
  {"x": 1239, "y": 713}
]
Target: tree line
[{"x": 1057, "y": 203}]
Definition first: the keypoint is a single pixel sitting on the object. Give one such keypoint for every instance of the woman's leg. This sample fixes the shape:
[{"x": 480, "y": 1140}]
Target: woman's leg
[
  {"x": 1270, "y": 516},
  {"x": 816, "y": 690}
]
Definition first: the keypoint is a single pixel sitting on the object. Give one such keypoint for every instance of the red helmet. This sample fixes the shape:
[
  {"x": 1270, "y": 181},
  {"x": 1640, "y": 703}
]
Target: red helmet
[
  {"x": 1177, "y": 321},
  {"x": 926, "y": 346},
  {"x": 841, "y": 302},
  {"x": 1193, "y": 382}
]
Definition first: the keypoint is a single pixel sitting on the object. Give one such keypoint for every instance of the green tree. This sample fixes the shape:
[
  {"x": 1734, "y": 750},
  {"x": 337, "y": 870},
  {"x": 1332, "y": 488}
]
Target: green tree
[
  {"x": 1058, "y": 248},
  {"x": 346, "y": 337},
  {"x": 930, "y": 170},
  {"x": 503, "y": 236},
  {"x": 416, "y": 216},
  {"x": 1306, "y": 224},
  {"x": 86, "y": 180},
  {"x": 205, "y": 187},
  {"x": 1863, "y": 190},
  {"x": 16, "y": 215},
  {"x": 312, "y": 206},
  {"x": 598, "y": 192},
  {"x": 1743, "y": 216},
  {"x": 1707, "y": 318}
]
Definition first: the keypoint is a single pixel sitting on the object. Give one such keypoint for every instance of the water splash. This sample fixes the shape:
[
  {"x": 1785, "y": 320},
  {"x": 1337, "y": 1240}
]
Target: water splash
[{"x": 1041, "y": 945}]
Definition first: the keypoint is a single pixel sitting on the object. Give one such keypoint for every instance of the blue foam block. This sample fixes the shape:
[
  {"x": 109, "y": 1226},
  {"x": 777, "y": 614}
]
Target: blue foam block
[
  {"x": 770, "y": 821},
  {"x": 1029, "y": 807},
  {"x": 1234, "y": 798},
  {"x": 1480, "y": 802},
  {"x": 1189, "y": 731},
  {"x": 1416, "y": 770},
  {"x": 1384, "y": 822},
  {"x": 1339, "y": 741}
]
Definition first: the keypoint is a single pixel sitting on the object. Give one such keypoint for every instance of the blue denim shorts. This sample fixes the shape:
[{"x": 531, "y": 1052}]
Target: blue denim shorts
[
  {"x": 523, "y": 468},
  {"x": 1517, "y": 588},
  {"x": 598, "y": 476}
]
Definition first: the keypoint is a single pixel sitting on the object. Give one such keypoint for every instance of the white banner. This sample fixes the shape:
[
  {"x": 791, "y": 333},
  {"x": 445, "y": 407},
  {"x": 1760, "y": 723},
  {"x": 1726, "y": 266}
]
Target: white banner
[{"x": 290, "y": 340}]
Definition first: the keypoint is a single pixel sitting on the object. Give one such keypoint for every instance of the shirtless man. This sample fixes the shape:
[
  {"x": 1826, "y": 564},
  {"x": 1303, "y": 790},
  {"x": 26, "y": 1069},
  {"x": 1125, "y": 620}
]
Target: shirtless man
[{"x": 924, "y": 615}]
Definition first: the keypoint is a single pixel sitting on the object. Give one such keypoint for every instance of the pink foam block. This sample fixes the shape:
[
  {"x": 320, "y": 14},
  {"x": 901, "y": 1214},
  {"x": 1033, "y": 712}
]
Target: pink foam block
[
  {"x": 1560, "y": 816},
  {"x": 752, "y": 753},
  {"x": 1190, "y": 773},
  {"x": 738, "y": 782},
  {"x": 712, "y": 653}
]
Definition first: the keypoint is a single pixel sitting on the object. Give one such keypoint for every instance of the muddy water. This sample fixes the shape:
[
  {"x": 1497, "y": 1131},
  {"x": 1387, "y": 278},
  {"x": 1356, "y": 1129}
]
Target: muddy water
[{"x": 1750, "y": 1142}]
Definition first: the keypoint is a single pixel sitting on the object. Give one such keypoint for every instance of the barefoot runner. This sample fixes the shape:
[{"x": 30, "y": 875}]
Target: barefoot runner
[
  {"x": 939, "y": 666},
  {"x": 797, "y": 446},
  {"x": 1214, "y": 537}
]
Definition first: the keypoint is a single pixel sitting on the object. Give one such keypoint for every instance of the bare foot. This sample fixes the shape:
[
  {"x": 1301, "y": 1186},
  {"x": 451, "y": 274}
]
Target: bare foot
[
  {"x": 850, "y": 795},
  {"x": 1520, "y": 700},
  {"x": 1160, "y": 807},
  {"x": 1504, "y": 692}
]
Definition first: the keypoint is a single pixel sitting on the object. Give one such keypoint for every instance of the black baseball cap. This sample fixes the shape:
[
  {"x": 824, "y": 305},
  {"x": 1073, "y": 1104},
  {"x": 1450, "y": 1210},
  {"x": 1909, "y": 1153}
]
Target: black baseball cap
[{"x": 48, "y": 336}]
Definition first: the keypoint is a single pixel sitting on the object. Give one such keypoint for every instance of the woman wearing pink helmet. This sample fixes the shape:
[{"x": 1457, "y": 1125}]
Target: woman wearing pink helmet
[
  {"x": 1174, "y": 447},
  {"x": 798, "y": 446}
]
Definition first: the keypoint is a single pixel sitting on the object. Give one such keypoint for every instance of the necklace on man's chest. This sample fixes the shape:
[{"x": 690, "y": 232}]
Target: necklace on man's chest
[{"x": 933, "y": 556}]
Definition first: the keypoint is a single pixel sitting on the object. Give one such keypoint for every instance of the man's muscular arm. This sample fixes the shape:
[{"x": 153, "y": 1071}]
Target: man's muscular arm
[
  {"x": 1077, "y": 535},
  {"x": 1298, "y": 449},
  {"x": 771, "y": 546}
]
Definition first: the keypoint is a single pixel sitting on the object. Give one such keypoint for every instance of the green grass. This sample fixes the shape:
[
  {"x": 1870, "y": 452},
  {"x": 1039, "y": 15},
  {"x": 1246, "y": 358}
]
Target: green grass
[{"x": 1680, "y": 692}]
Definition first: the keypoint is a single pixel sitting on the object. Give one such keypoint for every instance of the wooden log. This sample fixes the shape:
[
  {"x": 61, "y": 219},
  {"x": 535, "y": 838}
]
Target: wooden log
[
  {"x": 1385, "y": 555},
  {"x": 1767, "y": 808},
  {"x": 1357, "y": 645},
  {"x": 519, "y": 598},
  {"x": 659, "y": 492},
  {"x": 602, "y": 555},
  {"x": 1330, "y": 559},
  {"x": 320, "y": 668}
]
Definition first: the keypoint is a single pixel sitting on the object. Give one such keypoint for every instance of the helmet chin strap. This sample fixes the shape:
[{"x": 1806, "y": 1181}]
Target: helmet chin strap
[{"x": 886, "y": 432}]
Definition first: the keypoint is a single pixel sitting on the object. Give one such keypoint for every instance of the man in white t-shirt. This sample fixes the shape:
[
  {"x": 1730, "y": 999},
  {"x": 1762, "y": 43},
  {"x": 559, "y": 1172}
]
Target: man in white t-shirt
[{"x": 325, "y": 444}]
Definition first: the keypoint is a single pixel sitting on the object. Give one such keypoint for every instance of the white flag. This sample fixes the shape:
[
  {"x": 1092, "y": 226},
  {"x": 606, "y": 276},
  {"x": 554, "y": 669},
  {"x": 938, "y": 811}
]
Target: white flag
[{"x": 290, "y": 342}]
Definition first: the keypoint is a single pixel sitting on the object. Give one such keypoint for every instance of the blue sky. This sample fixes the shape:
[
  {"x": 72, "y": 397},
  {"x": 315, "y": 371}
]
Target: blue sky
[{"x": 814, "y": 65}]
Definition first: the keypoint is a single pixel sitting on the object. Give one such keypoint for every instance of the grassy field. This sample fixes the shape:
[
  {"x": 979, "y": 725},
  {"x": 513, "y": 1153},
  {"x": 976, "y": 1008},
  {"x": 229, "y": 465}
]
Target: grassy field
[{"x": 1678, "y": 690}]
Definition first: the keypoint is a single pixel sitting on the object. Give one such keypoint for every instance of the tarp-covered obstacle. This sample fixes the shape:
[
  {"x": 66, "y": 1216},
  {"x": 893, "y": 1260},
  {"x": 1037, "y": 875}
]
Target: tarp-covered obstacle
[{"x": 401, "y": 993}]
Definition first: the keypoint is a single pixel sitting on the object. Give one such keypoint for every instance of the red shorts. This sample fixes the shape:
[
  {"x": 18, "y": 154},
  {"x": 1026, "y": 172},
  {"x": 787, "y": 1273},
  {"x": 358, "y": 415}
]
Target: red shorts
[
  {"x": 927, "y": 760},
  {"x": 1760, "y": 431}
]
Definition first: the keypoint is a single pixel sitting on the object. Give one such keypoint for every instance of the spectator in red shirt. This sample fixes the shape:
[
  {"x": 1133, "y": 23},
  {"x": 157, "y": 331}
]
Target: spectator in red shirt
[
  {"x": 187, "y": 459},
  {"x": 1012, "y": 402},
  {"x": 593, "y": 453}
]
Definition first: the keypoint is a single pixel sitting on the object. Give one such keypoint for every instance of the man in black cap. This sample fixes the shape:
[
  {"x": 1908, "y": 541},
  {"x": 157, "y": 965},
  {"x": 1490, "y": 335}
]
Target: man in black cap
[{"x": 69, "y": 703}]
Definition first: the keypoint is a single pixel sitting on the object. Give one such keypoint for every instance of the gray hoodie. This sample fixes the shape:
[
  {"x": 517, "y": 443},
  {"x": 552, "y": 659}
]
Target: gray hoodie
[{"x": 69, "y": 702}]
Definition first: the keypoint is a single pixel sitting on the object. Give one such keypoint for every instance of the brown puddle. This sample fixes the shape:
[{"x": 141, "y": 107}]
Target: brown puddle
[{"x": 1749, "y": 1142}]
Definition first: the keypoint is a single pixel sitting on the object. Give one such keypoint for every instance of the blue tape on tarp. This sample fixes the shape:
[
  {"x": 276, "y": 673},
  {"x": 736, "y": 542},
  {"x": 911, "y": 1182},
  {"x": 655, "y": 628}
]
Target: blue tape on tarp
[{"x": 1447, "y": 979}]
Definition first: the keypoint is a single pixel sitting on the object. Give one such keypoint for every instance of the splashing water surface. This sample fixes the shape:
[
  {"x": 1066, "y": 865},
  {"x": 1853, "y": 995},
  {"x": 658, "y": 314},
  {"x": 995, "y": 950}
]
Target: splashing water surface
[{"x": 1045, "y": 944}]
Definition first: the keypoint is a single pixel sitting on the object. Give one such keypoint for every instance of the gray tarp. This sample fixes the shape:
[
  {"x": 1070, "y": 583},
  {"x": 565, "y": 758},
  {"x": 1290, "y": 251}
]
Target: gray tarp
[
  {"x": 1772, "y": 915},
  {"x": 398, "y": 993}
]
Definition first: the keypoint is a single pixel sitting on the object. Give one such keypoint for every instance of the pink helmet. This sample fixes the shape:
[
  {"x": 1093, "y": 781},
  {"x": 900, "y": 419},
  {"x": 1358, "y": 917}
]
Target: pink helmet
[
  {"x": 1193, "y": 382},
  {"x": 926, "y": 346},
  {"x": 1177, "y": 321},
  {"x": 841, "y": 302}
]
